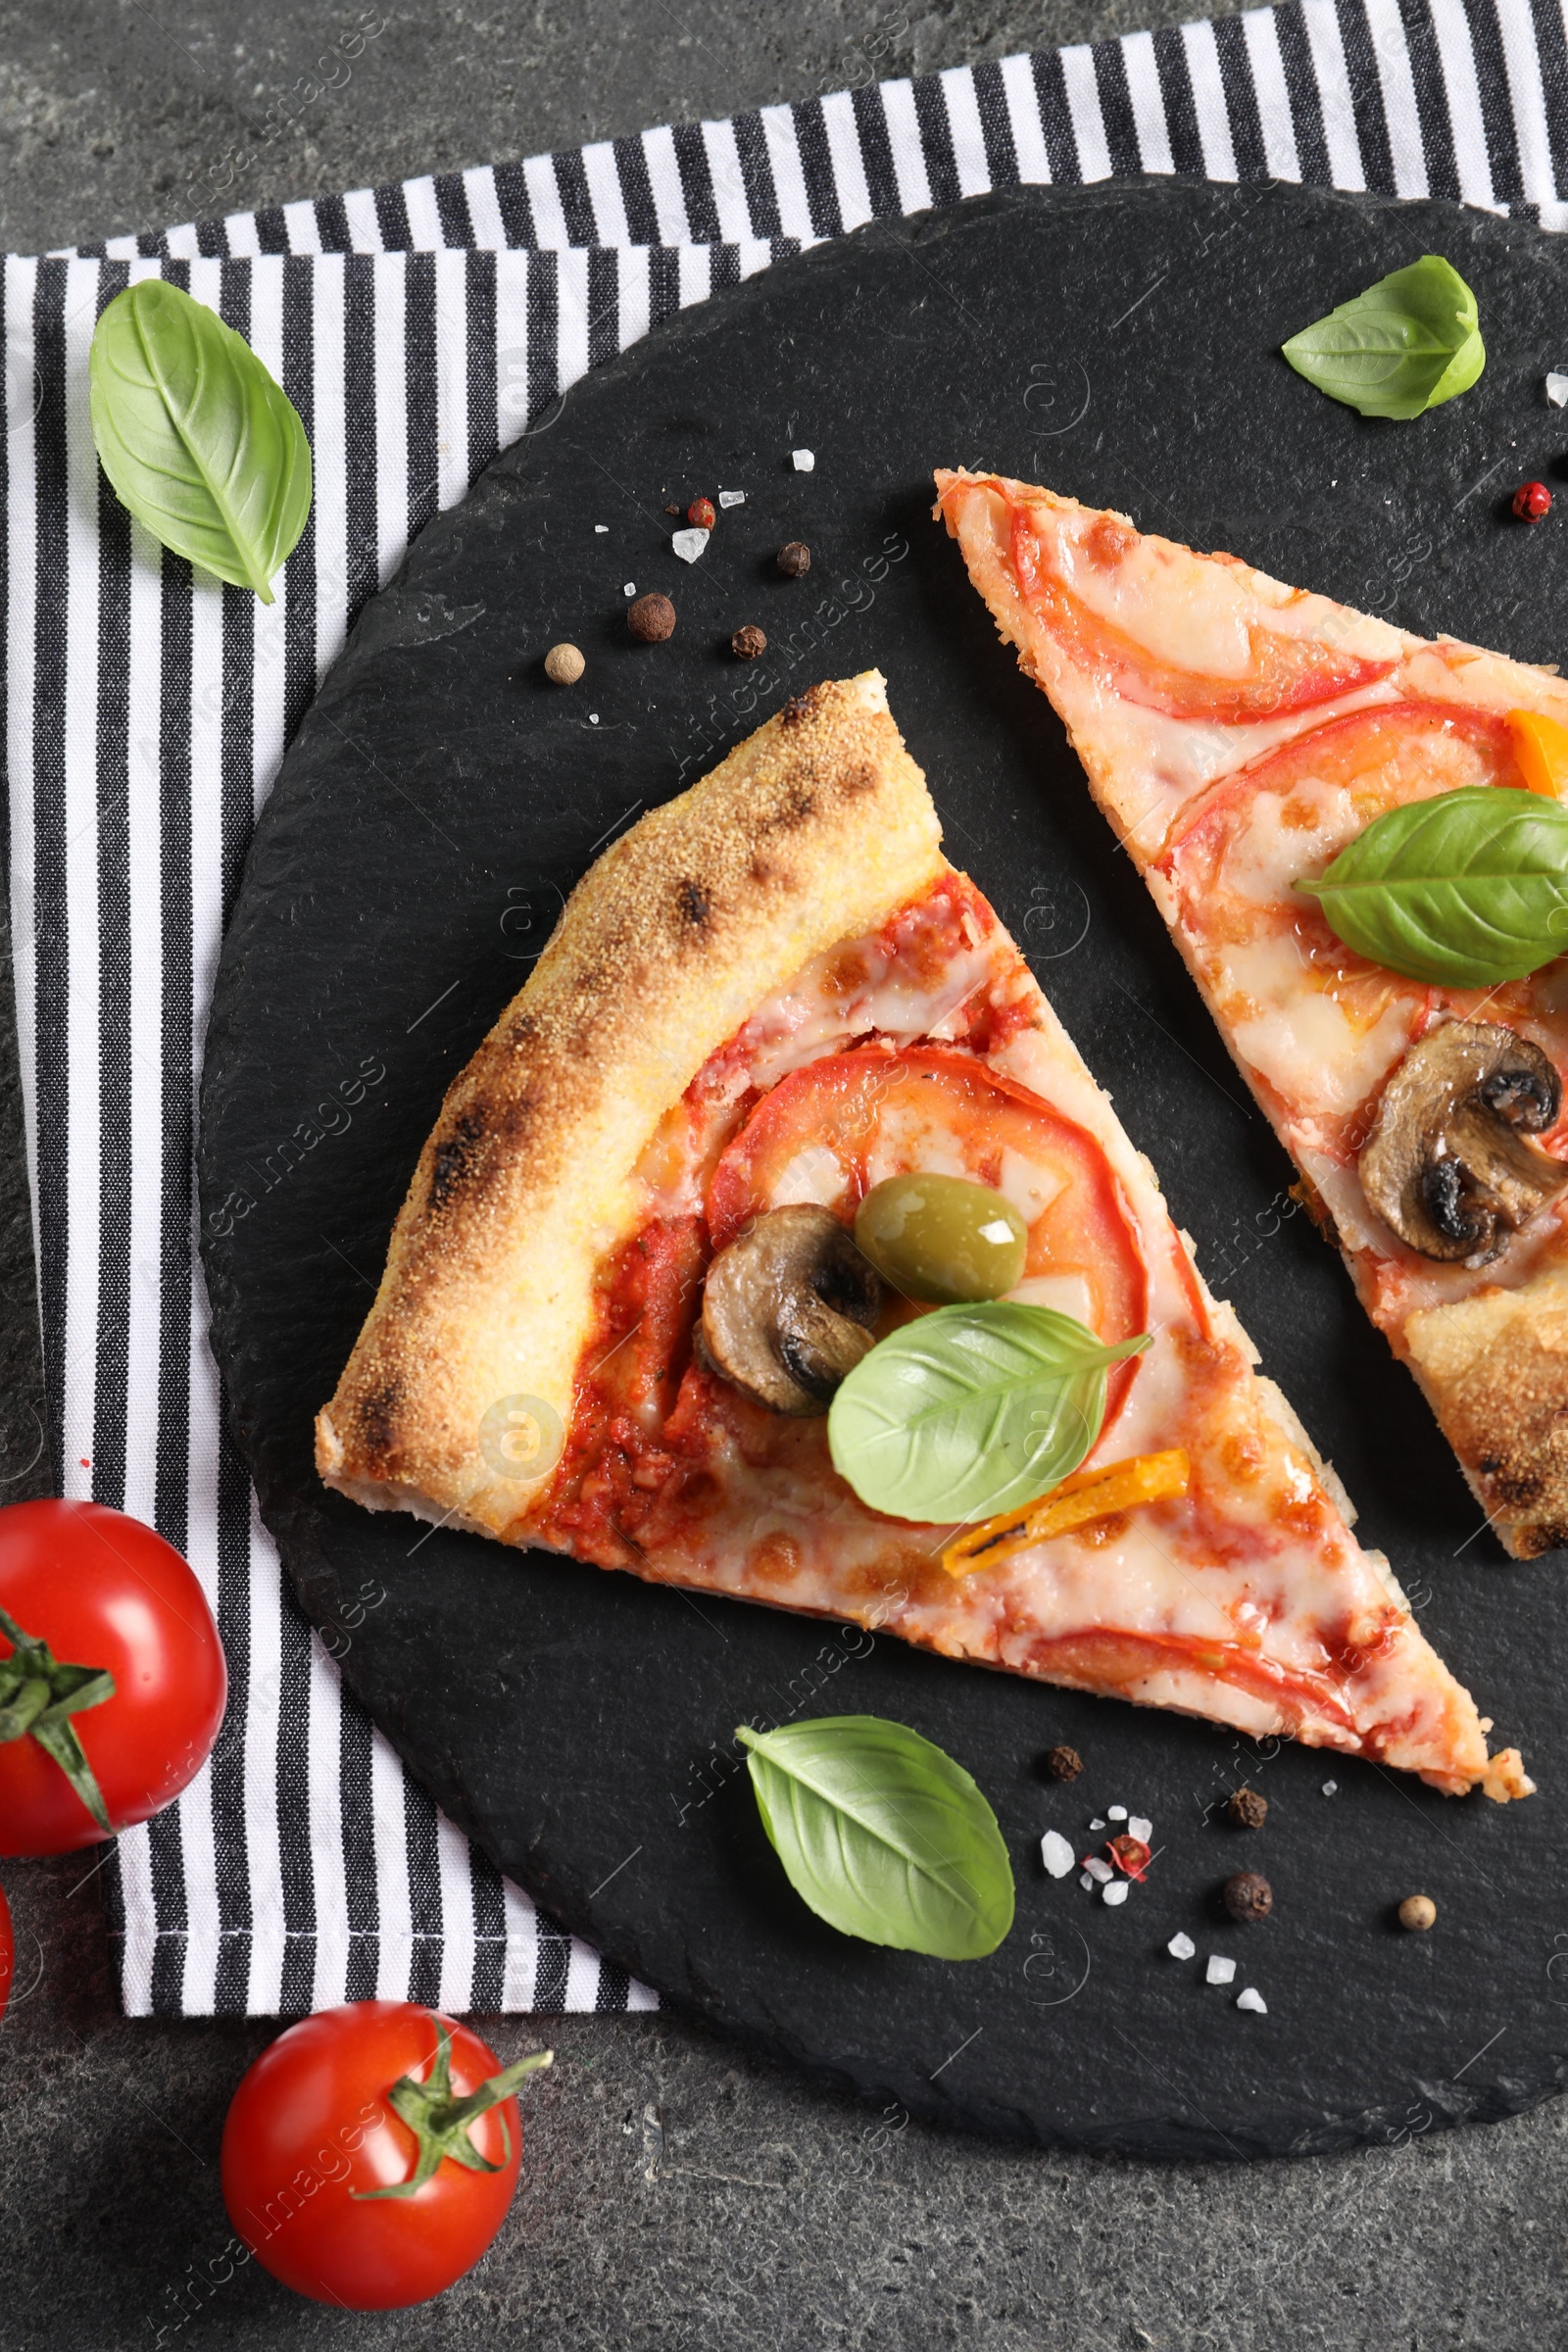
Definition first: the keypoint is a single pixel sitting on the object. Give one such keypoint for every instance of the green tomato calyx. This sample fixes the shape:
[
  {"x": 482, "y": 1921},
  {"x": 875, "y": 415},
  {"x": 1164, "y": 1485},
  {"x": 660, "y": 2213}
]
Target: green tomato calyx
[
  {"x": 440, "y": 2123},
  {"x": 38, "y": 1697}
]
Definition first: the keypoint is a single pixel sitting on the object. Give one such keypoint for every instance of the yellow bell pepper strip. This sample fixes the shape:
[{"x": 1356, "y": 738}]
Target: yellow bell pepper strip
[
  {"x": 1087, "y": 1496},
  {"x": 1540, "y": 749}
]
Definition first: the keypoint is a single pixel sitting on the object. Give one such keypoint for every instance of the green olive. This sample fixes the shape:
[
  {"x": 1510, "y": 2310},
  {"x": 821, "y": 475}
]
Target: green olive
[{"x": 942, "y": 1238}]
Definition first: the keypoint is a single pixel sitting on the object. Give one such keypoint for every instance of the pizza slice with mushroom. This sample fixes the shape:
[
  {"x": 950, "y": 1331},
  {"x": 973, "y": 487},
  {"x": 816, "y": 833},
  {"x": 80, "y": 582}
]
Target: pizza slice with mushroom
[
  {"x": 777, "y": 1242},
  {"x": 1242, "y": 738}
]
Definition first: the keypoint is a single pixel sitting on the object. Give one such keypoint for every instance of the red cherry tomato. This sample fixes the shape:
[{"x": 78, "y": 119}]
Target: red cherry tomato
[
  {"x": 105, "y": 1591},
  {"x": 312, "y": 2128},
  {"x": 7, "y": 1953}
]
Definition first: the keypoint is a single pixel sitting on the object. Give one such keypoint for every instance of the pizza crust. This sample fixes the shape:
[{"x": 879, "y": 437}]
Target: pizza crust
[
  {"x": 1495, "y": 1368},
  {"x": 814, "y": 829}
]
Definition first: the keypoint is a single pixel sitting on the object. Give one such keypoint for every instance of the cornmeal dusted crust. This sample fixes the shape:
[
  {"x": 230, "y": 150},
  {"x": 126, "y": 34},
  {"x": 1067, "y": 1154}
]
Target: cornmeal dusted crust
[
  {"x": 814, "y": 829},
  {"x": 1496, "y": 1370}
]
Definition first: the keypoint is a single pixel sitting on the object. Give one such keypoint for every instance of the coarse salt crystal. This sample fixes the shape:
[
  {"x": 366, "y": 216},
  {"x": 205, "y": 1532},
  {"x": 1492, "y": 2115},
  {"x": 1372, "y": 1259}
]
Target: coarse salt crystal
[
  {"x": 593, "y": 719},
  {"x": 1250, "y": 1998},
  {"x": 1219, "y": 1971},
  {"x": 1116, "y": 1892},
  {"x": 1084, "y": 1879},
  {"x": 804, "y": 459},
  {"x": 1117, "y": 1812},
  {"x": 1180, "y": 1947},
  {"x": 1097, "y": 1869},
  {"x": 1096, "y": 1824},
  {"x": 629, "y": 589},
  {"x": 1057, "y": 1854},
  {"x": 732, "y": 498},
  {"x": 688, "y": 545},
  {"x": 601, "y": 528},
  {"x": 1138, "y": 1827},
  {"x": 1330, "y": 1787},
  {"x": 1557, "y": 389}
]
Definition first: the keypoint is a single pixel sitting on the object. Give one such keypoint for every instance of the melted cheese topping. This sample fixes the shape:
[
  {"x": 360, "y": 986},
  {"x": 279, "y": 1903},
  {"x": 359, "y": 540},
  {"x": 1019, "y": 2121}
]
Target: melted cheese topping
[
  {"x": 1307, "y": 1042},
  {"x": 1316, "y": 1030},
  {"x": 1248, "y": 1600},
  {"x": 1148, "y": 594}
]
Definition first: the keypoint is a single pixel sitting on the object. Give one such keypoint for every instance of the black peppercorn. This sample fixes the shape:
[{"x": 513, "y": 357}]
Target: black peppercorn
[
  {"x": 794, "y": 560},
  {"x": 748, "y": 643},
  {"x": 1064, "y": 1763},
  {"x": 1247, "y": 1810},
  {"x": 1248, "y": 1896}
]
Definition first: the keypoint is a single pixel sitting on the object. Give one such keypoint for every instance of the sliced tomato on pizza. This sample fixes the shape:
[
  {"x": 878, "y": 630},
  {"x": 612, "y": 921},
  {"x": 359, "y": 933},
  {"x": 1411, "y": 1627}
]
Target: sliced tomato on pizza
[
  {"x": 1239, "y": 735},
  {"x": 779, "y": 1086}
]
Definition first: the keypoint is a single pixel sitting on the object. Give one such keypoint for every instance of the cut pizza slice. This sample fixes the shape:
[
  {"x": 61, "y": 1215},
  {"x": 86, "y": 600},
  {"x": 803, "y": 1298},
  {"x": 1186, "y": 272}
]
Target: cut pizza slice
[
  {"x": 625, "y": 1283},
  {"x": 1239, "y": 735}
]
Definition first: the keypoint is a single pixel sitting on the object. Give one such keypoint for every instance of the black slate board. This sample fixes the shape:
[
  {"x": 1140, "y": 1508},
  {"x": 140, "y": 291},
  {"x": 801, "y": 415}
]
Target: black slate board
[{"x": 1120, "y": 344}]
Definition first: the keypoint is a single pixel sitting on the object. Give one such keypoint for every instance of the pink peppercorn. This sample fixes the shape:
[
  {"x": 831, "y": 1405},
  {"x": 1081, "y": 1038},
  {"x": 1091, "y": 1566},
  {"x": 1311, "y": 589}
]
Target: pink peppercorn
[
  {"x": 699, "y": 513},
  {"x": 1130, "y": 1854},
  {"x": 1531, "y": 500}
]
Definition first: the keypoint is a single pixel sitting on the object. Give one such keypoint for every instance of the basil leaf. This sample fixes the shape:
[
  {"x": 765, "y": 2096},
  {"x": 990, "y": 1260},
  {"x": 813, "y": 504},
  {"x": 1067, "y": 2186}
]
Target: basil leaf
[
  {"x": 1405, "y": 345},
  {"x": 971, "y": 1411},
  {"x": 195, "y": 436},
  {"x": 1464, "y": 891},
  {"x": 882, "y": 1834}
]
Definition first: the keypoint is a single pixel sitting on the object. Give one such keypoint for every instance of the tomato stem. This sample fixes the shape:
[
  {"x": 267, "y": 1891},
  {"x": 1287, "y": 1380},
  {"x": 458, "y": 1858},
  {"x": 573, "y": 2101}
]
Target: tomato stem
[
  {"x": 38, "y": 1695},
  {"x": 440, "y": 2123}
]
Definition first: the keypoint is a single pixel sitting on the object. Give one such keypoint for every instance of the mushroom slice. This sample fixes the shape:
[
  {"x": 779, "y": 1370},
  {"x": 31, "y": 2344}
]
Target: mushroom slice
[
  {"x": 787, "y": 1309},
  {"x": 1449, "y": 1163}
]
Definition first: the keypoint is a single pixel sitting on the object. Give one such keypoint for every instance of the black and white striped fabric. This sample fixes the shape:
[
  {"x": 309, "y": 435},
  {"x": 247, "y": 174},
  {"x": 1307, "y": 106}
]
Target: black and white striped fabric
[{"x": 417, "y": 328}]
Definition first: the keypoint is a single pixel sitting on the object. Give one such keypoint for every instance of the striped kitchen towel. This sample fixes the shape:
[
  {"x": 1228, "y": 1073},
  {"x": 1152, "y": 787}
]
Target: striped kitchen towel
[{"x": 418, "y": 328}]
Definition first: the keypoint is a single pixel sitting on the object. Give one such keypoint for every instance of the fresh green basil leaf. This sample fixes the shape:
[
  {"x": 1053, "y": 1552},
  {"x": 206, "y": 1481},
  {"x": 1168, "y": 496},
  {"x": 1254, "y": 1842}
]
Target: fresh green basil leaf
[
  {"x": 1407, "y": 344},
  {"x": 883, "y": 1834},
  {"x": 1463, "y": 890},
  {"x": 195, "y": 436},
  {"x": 971, "y": 1411}
]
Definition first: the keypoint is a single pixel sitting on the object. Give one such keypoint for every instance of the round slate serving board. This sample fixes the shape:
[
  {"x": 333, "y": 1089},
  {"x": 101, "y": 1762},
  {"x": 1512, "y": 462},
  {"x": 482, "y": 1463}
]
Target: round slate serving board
[{"x": 1120, "y": 344}]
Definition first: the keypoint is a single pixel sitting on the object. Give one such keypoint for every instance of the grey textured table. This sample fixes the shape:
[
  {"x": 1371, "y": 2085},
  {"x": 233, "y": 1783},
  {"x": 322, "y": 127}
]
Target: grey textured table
[{"x": 676, "y": 2195}]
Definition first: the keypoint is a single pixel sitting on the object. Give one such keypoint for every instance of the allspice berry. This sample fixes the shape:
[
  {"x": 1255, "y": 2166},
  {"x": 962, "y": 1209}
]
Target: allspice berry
[
  {"x": 748, "y": 643},
  {"x": 1245, "y": 1809},
  {"x": 563, "y": 665},
  {"x": 794, "y": 560},
  {"x": 1063, "y": 1763},
  {"x": 1248, "y": 1896},
  {"x": 651, "y": 618},
  {"x": 1417, "y": 1911}
]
